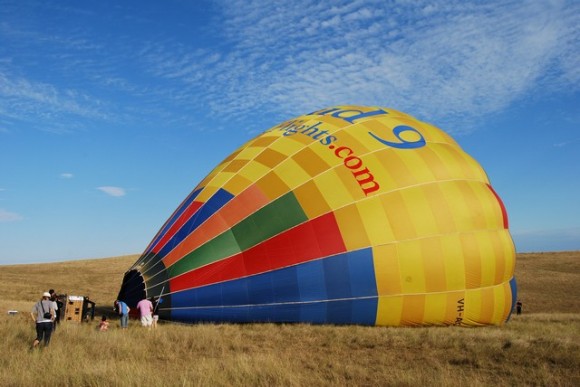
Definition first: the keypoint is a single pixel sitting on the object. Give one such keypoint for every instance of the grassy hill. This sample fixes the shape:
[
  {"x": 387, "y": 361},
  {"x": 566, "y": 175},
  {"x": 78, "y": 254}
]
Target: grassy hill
[{"x": 541, "y": 347}]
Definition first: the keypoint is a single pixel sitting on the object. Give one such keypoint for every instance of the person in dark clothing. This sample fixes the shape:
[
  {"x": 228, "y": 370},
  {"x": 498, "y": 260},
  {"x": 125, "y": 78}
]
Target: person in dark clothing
[
  {"x": 43, "y": 314},
  {"x": 59, "y": 305},
  {"x": 519, "y": 307}
]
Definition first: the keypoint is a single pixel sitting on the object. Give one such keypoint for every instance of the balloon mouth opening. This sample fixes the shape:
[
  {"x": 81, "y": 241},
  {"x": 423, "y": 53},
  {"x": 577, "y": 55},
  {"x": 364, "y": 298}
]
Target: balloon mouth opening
[{"x": 132, "y": 289}]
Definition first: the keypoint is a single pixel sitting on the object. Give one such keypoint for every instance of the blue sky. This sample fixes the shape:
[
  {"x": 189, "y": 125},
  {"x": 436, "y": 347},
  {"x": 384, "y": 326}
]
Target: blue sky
[{"x": 111, "y": 112}]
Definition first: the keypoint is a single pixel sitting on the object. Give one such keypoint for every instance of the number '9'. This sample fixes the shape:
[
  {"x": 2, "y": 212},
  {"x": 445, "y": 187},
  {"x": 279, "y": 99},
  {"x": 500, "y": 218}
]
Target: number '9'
[{"x": 404, "y": 144}]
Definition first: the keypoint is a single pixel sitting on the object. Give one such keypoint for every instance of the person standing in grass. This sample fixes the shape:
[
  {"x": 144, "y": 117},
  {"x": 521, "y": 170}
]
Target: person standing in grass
[
  {"x": 58, "y": 304},
  {"x": 146, "y": 311},
  {"x": 123, "y": 309},
  {"x": 43, "y": 314}
]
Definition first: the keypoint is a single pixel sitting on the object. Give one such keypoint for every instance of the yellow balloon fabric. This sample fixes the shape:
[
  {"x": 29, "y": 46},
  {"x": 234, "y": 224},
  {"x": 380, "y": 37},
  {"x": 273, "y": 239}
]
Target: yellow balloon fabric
[{"x": 350, "y": 214}]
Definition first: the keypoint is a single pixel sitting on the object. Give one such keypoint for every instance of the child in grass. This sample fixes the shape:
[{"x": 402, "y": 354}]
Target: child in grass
[{"x": 104, "y": 324}]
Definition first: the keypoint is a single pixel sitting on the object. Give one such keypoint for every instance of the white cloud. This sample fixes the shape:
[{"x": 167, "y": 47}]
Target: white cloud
[
  {"x": 566, "y": 143},
  {"x": 45, "y": 100},
  {"x": 112, "y": 191},
  {"x": 457, "y": 61},
  {"x": 452, "y": 61},
  {"x": 66, "y": 175},
  {"x": 7, "y": 216}
]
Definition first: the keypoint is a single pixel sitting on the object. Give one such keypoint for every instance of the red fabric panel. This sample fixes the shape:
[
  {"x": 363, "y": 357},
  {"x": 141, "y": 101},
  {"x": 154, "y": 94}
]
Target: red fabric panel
[
  {"x": 315, "y": 239},
  {"x": 503, "y": 210}
]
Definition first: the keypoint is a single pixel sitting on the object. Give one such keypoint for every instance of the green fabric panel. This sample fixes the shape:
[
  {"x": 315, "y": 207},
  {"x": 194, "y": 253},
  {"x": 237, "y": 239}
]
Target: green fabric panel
[
  {"x": 276, "y": 217},
  {"x": 221, "y": 246},
  {"x": 280, "y": 215}
]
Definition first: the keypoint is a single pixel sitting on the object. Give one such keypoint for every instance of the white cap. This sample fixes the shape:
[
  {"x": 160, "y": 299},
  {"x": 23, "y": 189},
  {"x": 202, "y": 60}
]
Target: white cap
[{"x": 46, "y": 294}]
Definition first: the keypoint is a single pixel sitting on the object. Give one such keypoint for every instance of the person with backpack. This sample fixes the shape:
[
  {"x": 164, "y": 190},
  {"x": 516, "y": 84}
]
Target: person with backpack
[{"x": 43, "y": 314}]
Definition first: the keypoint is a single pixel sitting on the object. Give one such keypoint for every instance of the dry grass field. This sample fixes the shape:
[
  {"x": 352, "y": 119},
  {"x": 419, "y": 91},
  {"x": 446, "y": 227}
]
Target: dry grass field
[{"x": 540, "y": 347}]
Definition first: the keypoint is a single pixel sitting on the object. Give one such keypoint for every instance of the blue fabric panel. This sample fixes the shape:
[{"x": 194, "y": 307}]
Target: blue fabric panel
[
  {"x": 362, "y": 273},
  {"x": 260, "y": 289},
  {"x": 364, "y": 311},
  {"x": 229, "y": 293},
  {"x": 313, "y": 312},
  {"x": 204, "y": 296},
  {"x": 311, "y": 284},
  {"x": 285, "y": 285},
  {"x": 198, "y": 315},
  {"x": 250, "y": 290},
  {"x": 175, "y": 216},
  {"x": 217, "y": 201},
  {"x": 514, "y": 289},
  {"x": 210, "y": 296},
  {"x": 339, "y": 312},
  {"x": 339, "y": 289},
  {"x": 283, "y": 312},
  {"x": 336, "y": 277},
  {"x": 258, "y": 313},
  {"x": 343, "y": 276},
  {"x": 184, "y": 299},
  {"x": 238, "y": 314},
  {"x": 235, "y": 293}
]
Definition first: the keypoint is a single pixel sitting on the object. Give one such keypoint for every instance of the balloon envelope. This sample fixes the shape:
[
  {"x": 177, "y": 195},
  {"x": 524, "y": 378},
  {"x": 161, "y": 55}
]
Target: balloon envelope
[{"x": 347, "y": 215}]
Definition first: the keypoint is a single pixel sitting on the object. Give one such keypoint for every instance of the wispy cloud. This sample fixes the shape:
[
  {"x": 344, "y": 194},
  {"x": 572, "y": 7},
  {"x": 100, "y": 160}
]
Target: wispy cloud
[
  {"x": 7, "y": 216},
  {"x": 66, "y": 175},
  {"x": 113, "y": 191},
  {"x": 26, "y": 100},
  {"x": 459, "y": 60},
  {"x": 566, "y": 143},
  {"x": 454, "y": 61}
]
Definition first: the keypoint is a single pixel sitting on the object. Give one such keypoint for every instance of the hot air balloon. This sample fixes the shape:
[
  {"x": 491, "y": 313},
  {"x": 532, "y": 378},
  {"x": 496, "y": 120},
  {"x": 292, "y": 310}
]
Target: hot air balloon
[{"x": 346, "y": 215}]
